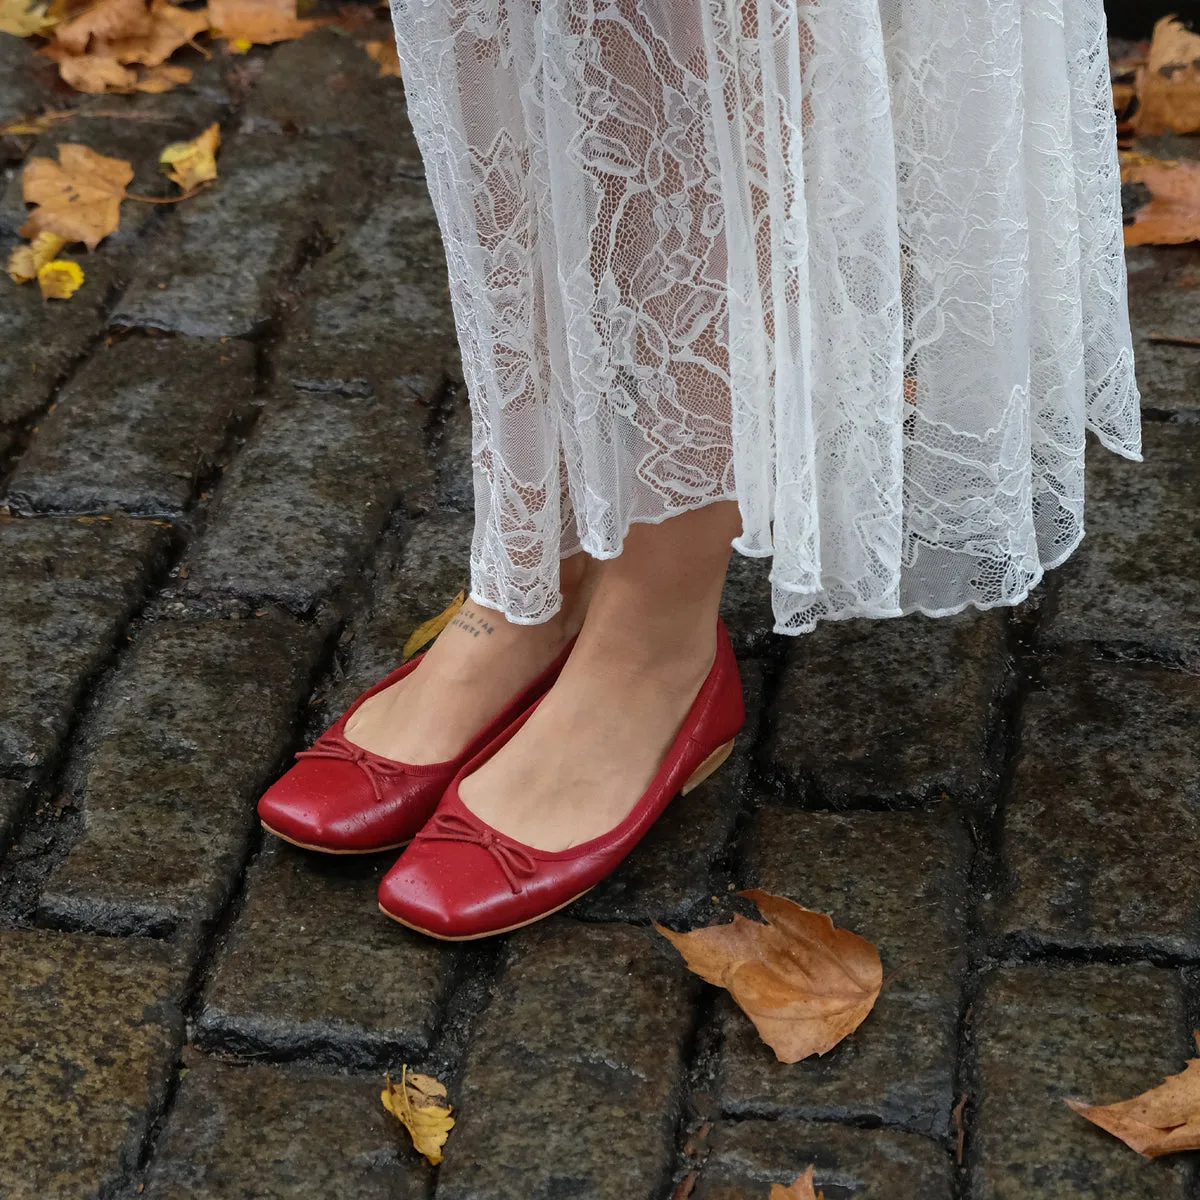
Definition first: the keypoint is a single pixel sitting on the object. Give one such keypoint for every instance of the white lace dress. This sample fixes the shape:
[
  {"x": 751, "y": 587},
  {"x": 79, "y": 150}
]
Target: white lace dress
[{"x": 856, "y": 264}]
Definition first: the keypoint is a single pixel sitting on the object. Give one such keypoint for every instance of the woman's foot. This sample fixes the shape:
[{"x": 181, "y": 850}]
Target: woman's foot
[{"x": 479, "y": 662}]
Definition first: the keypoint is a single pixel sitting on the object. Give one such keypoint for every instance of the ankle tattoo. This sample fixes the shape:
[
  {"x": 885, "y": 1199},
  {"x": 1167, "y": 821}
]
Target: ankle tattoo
[{"x": 473, "y": 622}]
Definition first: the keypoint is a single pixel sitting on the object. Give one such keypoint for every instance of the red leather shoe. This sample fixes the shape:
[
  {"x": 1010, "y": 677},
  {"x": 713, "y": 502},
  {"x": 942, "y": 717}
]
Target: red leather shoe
[
  {"x": 461, "y": 879},
  {"x": 343, "y": 799}
]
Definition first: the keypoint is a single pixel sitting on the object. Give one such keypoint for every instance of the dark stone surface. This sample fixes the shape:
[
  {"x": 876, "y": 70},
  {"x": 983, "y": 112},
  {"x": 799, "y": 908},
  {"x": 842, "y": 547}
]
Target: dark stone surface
[
  {"x": 582, "y": 1042},
  {"x": 1101, "y": 832},
  {"x": 747, "y": 1157},
  {"x": 415, "y": 578},
  {"x": 676, "y": 872},
  {"x": 219, "y": 262},
  {"x": 67, "y": 587},
  {"x": 278, "y": 1133},
  {"x": 1134, "y": 582},
  {"x": 1096, "y": 1033},
  {"x": 899, "y": 880},
  {"x": 455, "y": 473},
  {"x": 324, "y": 84},
  {"x": 889, "y": 710},
  {"x": 90, "y": 1032},
  {"x": 379, "y": 987},
  {"x": 13, "y": 799},
  {"x": 1163, "y": 283},
  {"x": 170, "y": 764},
  {"x": 136, "y": 427},
  {"x": 304, "y": 502},
  {"x": 26, "y": 87},
  {"x": 746, "y": 607}
]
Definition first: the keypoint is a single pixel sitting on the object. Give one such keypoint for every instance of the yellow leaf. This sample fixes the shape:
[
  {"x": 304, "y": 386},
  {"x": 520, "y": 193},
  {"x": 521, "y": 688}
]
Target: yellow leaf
[
  {"x": 384, "y": 53},
  {"x": 79, "y": 197},
  {"x": 1164, "y": 1120},
  {"x": 25, "y": 261},
  {"x": 803, "y": 982},
  {"x": 802, "y": 1189},
  {"x": 418, "y": 1105},
  {"x": 428, "y": 630},
  {"x": 195, "y": 162},
  {"x": 59, "y": 279},
  {"x": 21, "y": 20}
]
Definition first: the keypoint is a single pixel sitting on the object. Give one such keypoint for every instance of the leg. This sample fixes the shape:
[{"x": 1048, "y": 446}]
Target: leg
[
  {"x": 478, "y": 663},
  {"x": 594, "y": 744}
]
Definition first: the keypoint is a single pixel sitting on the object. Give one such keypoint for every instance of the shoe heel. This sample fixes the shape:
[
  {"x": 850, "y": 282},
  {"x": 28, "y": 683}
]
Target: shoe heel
[{"x": 708, "y": 766}]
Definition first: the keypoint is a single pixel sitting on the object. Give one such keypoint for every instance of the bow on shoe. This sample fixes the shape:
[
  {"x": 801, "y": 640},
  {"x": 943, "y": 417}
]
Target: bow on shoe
[
  {"x": 451, "y": 827},
  {"x": 376, "y": 769}
]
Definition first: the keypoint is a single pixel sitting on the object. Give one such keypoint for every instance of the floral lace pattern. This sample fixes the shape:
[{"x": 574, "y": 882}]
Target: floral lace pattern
[{"x": 857, "y": 265}]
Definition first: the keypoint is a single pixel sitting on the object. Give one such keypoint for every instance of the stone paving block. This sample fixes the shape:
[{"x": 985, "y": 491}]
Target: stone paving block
[
  {"x": 675, "y": 870},
  {"x": 890, "y": 710},
  {"x": 377, "y": 993},
  {"x": 67, "y": 587},
  {"x": 183, "y": 739},
  {"x": 1098, "y": 1033},
  {"x": 89, "y": 1037},
  {"x": 455, "y": 472},
  {"x": 1163, "y": 283},
  {"x": 325, "y": 85},
  {"x": 415, "y": 578},
  {"x": 13, "y": 799},
  {"x": 1101, "y": 832},
  {"x": 26, "y": 87},
  {"x": 306, "y": 499},
  {"x": 1134, "y": 582},
  {"x": 279, "y": 1133},
  {"x": 582, "y": 1043},
  {"x": 217, "y": 265},
  {"x": 852, "y": 1164},
  {"x": 900, "y": 880},
  {"x": 136, "y": 427},
  {"x": 746, "y": 607}
]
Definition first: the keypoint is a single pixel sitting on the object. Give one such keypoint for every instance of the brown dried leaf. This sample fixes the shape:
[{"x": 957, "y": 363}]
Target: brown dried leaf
[
  {"x": 1164, "y": 1120},
  {"x": 170, "y": 27},
  {"x": 384, "y": 53},
  {"x": 1173, "y": 214},
  {"x": 803, "y": 982},
  {"x": 105, "y": 21},
  {"x": 428, "y": 630},
  {"x": 418, "y": 1105},
  {"x": 244, "y": 23},
  {"x": 162, "y": 78},
  {"x": 1169, "y": 85},
  {"x": 802, "y": 1189},
  {"x": 92, "y": 73},
  {"x": 79, "y": 197}
]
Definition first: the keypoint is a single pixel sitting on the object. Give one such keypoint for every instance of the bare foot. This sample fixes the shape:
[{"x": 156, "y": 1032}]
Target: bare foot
[
  {"x": 479, "y": 662},
  {"x": 580, "y": 763}
]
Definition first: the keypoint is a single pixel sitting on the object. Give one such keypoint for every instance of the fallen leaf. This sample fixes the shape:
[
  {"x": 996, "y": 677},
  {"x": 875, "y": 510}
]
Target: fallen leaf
[
  {"x": 79, "y": 197},
  {"x": 428, "y": 630},
  {"x": 802, "y": 1189},
  {"x": 105, "y": 20},
  {"x": 25, "y": 261},
  {"x": 195, "y": 162},
  {"x": 384, "y": 53},
  {"x": 1168, "y": 87},
  {"x": 60, "y": 279},
  {"x": 417, "y": 1105},
  {"x": 803, "y": 982},
  {"x": 1164, "y": 1120},
  {"x": 21, "y": 19},
  {"x": 243, "y": 23},
  {"x": 92, "y": 73},
  {"x": 162, "y": 78},
  {"x": 170, "y": 27},
  {"x": 1172, "y": 215}
]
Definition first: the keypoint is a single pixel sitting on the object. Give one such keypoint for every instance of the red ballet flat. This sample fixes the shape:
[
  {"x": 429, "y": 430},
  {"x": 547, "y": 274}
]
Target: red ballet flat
[
  {"x": 461, "y": 879},
  {"x": 340, "y": 798}
]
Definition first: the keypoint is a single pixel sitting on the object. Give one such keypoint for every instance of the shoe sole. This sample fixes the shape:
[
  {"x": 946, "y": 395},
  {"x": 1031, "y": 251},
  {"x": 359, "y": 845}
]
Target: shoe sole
[
  {"x": 328, "y": 850},
  {"x": 711, "y": 764}
]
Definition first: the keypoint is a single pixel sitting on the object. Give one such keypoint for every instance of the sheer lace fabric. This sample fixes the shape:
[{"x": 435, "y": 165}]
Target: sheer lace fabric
[{"x": 856, "y": 265}]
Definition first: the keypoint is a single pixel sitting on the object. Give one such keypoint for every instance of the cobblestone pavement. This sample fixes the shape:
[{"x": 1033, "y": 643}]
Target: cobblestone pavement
[{"x": 235, "y": 471}]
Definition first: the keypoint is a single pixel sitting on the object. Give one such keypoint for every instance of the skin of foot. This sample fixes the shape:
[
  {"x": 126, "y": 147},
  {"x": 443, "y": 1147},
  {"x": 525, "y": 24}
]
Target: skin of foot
[
  {"x": 585, "y": 757},
  {"x": 478, "y": 664}
]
